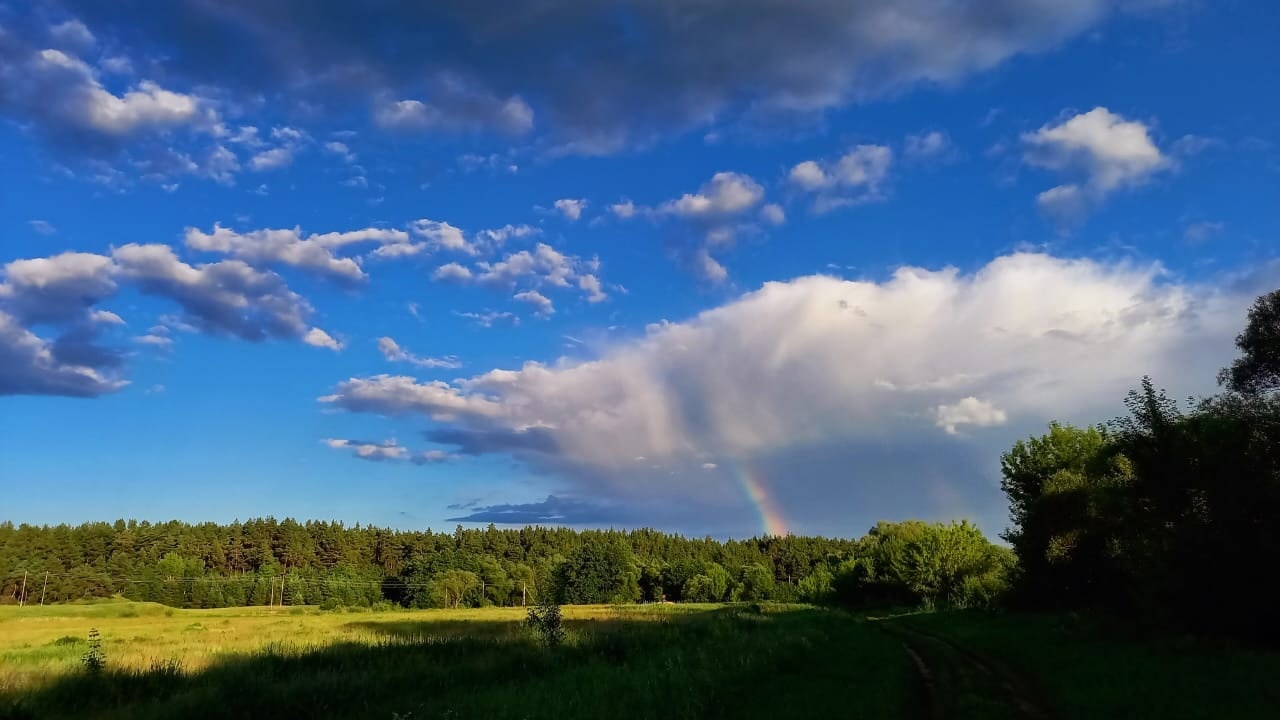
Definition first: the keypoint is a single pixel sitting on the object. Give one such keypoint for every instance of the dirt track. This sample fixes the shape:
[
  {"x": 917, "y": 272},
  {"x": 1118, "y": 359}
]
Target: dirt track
[{"x": 958, "y": 683}]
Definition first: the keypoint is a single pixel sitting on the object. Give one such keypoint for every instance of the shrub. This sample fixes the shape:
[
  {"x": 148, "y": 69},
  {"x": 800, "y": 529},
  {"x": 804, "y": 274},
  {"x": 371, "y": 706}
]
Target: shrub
[
  {"x": 94, "y": 660},
  {"x": 545, "y": 622}
]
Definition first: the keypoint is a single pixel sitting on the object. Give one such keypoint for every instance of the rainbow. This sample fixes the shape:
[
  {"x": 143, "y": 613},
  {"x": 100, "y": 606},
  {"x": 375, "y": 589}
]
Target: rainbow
[{"x": 771, "y": 519}]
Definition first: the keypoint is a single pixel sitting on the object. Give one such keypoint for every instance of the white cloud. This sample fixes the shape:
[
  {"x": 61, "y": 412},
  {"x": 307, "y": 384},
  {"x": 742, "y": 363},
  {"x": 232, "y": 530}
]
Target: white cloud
[
  {"x": 624, "y": 210},
  {"x": 489, "y": 318},
  {"x": 724, "y": 207},
  {"x": 1100, "y": 152},
  {"x": 1064, "y": 204},
  {"x": 288, "y": 246},
  {"x": 386, "y": 450},
  {"x": 398, "y": 395},
  {"x": 442, "y": 236},
  {"x": 452, "y": 272},
  {"x": 590, "y": 284},
  {"x": 708, "y": 268},
  {"x": 154, "y": 339},
  {"x": 726, "y": 194},
  {"x": 73, "y": 35},
  {"x": 116, "y": 65},
  {"x": 1189, "y": 145},
  {"x": 60, "y": 294},
  {"x": 457, "y": 107},
  {"x": 544, "y": 265},
  {"x": 968, "y": 411},
  {"x": 571, "y": 208},
  {"x": 227, "y": 297},
  {"x": 43, "y": 227},
  {"x": 808, "y": 175},
  {"x": 853, "y": 179},
  {"x": 341, "y": 150},
  {"x": 848, "y": 380},
  {"x": 494, "y": 238},
  {"x": 319, "y": 338},
  {"x": 221, "y": 165},
  {"x": 375, "y": 451},
  {"x": 30, "y": 365},
  {"x": 541, "y": 303},
  {"x": 392, "y": 351},
  {"x": 773, "y": 214},
  {"x": 106, "y": 317},
  {"x": 83, "y": 102},
  {"x": 58, "y": 289},
  {"x": 248, "y": 136},
  {"x": 928, "y": 145},
  {"x": 1198, "y": 232},
  {"x": 272, "y": 159}
]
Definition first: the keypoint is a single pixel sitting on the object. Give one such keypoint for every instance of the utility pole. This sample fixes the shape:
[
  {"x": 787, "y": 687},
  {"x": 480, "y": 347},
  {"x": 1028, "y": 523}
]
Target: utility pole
[
  {"x": 273, "y": 593},
  {"x": 23, "y": 599},
  {"x": 44, "y": 587}
]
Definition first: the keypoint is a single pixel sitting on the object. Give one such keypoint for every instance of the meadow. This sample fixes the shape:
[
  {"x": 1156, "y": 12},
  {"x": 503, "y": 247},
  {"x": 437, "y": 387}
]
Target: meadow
[
  {"x": 655, "y": 661},
  {"x": 746, "y": 660}
]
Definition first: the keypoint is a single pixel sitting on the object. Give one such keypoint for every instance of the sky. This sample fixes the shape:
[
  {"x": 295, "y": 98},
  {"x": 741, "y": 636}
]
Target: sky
[{"x": 724, "y": 268}]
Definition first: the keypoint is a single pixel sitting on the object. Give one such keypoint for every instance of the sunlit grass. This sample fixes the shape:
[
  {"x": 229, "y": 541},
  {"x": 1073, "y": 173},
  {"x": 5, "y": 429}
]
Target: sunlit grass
[
  {"x": 659, "y": 661},
  {"x": 39, "y": 643}
]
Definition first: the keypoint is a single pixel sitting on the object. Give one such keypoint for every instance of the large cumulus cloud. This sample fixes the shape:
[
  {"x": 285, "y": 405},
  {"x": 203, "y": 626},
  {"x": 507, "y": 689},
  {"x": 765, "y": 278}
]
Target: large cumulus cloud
[{"x": 839, "y": 393}]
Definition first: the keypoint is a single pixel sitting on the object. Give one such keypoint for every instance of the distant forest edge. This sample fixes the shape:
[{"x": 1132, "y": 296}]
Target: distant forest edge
[
  {"x": 1165, "y": 515},
  {"x": 264, "y": 561}
]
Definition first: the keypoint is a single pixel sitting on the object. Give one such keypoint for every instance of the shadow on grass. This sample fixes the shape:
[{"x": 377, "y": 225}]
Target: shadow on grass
[
  {"x": 719, "y": 664},
  {"x": 506, "y": 626}
]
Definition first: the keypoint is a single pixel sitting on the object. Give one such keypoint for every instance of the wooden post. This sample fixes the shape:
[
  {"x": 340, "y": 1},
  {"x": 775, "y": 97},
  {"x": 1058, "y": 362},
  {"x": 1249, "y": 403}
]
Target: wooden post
[
  {"x": 23, "y": 599},
  {"x": 44, "y": 587}
]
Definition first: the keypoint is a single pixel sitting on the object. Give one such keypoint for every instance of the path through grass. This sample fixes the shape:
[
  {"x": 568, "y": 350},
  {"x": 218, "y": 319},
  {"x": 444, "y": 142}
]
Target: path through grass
[{"x": 1085, "y": 669}]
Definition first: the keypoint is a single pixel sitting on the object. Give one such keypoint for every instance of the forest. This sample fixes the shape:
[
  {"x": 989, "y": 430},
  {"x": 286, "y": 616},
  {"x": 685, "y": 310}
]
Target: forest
[
  {"x": 1164, "y": 515},
  {"x": 261, "y": 562}
]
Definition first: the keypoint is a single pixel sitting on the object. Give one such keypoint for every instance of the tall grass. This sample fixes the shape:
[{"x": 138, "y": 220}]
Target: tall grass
[
  {"x": 1087, "y": 667},
  {"x": 659, "y": 662}
]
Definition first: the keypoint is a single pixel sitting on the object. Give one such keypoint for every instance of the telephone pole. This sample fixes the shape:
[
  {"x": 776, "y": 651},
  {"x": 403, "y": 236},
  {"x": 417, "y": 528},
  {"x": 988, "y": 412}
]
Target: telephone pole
[
  {"x": 23, "y": 599},
  {"x": 44, "y": 587}
]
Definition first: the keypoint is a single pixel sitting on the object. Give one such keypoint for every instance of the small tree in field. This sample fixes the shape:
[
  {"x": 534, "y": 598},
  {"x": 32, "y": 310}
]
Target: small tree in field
[
  {"x": 94, "y": 660},
  {"x": 545, "y": 621}
]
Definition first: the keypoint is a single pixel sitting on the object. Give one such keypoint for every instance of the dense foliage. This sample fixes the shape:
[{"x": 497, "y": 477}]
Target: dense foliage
[
  {"x": 266, "y": 561},
  {"x": 1167, "y": 513}
]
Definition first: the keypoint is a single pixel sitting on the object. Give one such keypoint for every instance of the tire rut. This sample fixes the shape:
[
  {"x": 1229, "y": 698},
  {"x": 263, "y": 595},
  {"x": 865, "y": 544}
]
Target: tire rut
[{"x": 1019, "y": 695}]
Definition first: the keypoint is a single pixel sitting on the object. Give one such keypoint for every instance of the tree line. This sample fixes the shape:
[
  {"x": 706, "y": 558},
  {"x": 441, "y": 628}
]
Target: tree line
[
  {"x": 1169, "y": 514},
  {"x": 265, "y": 561}
]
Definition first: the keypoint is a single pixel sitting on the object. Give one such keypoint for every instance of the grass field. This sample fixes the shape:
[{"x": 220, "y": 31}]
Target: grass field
[
  {"x": 1084, "y": 668},
  {"x": 687, "y": 661},
  {"x": 658, "y": 661}
]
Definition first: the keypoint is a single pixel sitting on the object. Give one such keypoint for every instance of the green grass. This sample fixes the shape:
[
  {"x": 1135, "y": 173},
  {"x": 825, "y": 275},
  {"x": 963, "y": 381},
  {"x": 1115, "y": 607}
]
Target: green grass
[
  {"x": 1087, "y": 669},
  {"x": 658, "y": 661},
  {"x": 637, "y": 662}
]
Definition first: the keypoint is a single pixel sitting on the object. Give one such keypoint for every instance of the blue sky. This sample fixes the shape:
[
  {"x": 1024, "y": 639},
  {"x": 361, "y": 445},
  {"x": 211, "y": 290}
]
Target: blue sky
[{"x": 608, "y": 263}]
